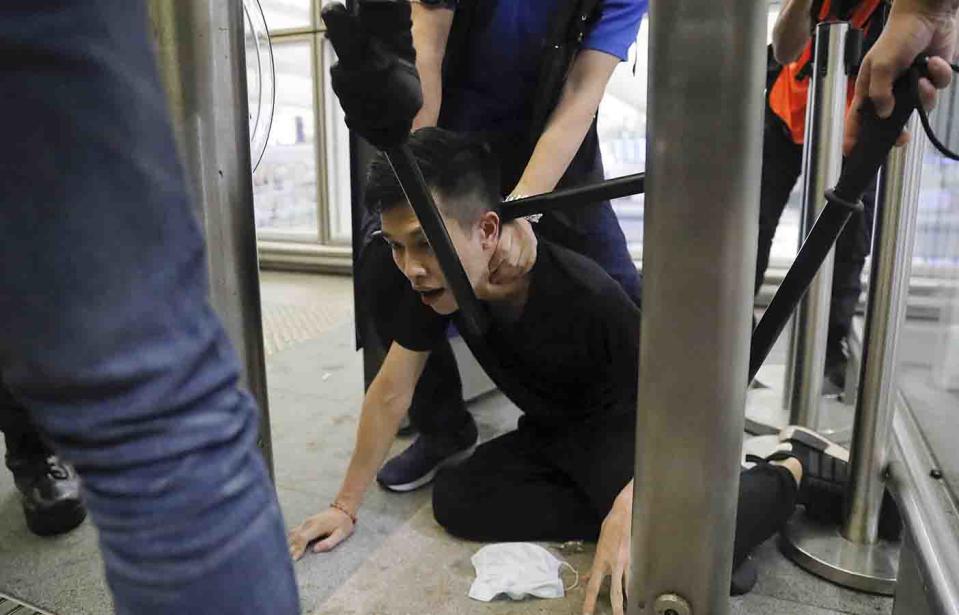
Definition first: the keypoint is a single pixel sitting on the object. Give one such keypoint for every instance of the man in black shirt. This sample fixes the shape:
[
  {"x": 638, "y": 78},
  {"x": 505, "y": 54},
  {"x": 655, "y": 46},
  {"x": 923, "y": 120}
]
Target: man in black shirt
[{"x": 563, "y": 346}]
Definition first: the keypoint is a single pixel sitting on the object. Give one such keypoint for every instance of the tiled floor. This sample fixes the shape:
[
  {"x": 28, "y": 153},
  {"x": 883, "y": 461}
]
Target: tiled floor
[{"x": 399, "y": 561}]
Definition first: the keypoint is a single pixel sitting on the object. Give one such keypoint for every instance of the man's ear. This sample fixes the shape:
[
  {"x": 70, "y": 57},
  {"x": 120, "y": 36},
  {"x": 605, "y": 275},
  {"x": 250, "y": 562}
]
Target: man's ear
[{"x": 489, "y": 225}]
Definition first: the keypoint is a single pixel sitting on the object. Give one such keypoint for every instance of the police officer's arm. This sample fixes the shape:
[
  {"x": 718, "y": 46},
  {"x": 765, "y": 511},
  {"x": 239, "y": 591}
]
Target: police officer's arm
[
  {"x": 384, "y": 405},
  {"x": 431, "y": 30},
  {"x": 792, "y": 30},
  {"x": 569, "y": 122}
]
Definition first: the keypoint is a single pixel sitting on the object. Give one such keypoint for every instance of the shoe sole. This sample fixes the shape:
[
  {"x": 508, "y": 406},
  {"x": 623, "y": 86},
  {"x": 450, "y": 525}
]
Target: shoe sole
[
  {"x": 427, "y": 478},
  {"x": 815, "y": 440}
]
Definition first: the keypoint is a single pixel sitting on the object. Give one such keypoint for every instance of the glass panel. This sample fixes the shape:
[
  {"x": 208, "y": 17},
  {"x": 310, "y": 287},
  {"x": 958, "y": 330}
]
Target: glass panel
[
  {"x": 929, "y": 349},
  {"x": 337, "y": 158},
  {"x": 285, "y": 14},
  {"x": 284, "y": 185},
  {"x": 259, "y": 78},
  {"x": 622, "y": 134}
]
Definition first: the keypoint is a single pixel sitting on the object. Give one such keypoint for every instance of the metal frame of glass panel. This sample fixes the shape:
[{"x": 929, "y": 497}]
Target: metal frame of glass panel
[{"x": 288, "y": 247}]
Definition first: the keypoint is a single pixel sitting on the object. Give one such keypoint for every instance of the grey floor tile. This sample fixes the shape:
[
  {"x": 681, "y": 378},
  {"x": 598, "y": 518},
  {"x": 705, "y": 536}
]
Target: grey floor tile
[
  {"x": 755, "y": 604},
  {"x": 328, "y": 366},
  {"x": 61, "y": 574}
]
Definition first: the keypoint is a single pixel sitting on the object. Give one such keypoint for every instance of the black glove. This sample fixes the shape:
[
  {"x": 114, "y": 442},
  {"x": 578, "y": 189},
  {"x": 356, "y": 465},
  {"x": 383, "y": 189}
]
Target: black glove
[{"x": 375, "y": 76}]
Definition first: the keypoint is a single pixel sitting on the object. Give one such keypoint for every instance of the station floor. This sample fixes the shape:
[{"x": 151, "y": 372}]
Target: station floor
[{"x": 399, "y": 561}]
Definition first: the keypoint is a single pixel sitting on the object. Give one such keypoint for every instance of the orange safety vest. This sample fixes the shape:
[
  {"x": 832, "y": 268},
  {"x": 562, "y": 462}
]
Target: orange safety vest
[{"x": 789, "y": 93}]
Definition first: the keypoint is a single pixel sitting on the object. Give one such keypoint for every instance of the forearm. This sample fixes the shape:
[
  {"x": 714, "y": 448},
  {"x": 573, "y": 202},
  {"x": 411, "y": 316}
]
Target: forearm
[
  {"x": 380, "y": 418},
  {"x": 626, "y": 495},
  {"x": 568, "y": 124},
  {"x": 791, "y": 31},
  {"x": 555, "y": 149},
  {"x": 431, "y": 29}
]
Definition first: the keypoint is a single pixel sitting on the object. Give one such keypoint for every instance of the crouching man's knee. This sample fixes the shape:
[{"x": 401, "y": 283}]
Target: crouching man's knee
[{"x": 453, "y": 506}]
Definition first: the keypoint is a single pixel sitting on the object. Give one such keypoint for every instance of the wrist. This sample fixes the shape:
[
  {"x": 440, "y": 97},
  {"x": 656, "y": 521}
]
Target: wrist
[{"x": 345, "y": 509}]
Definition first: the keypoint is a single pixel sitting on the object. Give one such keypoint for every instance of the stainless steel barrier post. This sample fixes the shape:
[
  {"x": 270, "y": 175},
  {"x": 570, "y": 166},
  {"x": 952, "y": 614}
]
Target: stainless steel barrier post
[
  {"x": 854, "y": 556},
  {"x": 201, "y": 53},
  {"x": 705, "y": 109},
  {"x": 822, "y": 159}
]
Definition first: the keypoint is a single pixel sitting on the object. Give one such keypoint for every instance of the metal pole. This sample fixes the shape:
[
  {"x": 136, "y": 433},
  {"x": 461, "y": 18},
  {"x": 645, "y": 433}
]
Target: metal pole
[
  {"x": 201, "y": 53},
  {"x": 705, "y": 110},
  {"x": 822, "y": 159},
  {"x": 893, "y": 239},
  {"x": 854, "y": 557}
]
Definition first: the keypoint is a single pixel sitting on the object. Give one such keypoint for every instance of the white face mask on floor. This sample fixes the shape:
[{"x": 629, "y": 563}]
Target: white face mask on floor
[{"x": 517, "y": 569}]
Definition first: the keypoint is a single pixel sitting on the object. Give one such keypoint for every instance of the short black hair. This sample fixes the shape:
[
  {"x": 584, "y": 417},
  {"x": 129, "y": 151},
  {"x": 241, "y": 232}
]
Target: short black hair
[{"x": 460, "y": 169}]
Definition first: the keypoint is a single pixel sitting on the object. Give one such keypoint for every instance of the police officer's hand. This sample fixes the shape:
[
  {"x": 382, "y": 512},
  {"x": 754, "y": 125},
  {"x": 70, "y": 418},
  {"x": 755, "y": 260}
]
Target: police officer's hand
[
  {"x": 375, "y": 75},
  {"x": 913, "y": 29},
  {"x": 612, "y": 555},
  {"x": 332, "y": 525},
  {"x": 515, "y": 254}
]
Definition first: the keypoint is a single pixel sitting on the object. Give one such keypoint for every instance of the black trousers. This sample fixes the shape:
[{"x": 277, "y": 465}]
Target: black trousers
[
  {"x": 554, "y": 486},
  {"x": 782, "y": 164}
]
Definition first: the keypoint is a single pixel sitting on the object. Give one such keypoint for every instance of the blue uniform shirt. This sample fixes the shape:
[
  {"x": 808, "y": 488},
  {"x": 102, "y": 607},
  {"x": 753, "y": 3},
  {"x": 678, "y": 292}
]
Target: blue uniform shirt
[{"x": 494, "y": 87}]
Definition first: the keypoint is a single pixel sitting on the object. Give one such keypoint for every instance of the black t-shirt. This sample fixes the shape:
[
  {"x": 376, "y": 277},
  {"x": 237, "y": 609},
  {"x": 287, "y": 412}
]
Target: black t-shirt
[{"x": 573, "y": 354}]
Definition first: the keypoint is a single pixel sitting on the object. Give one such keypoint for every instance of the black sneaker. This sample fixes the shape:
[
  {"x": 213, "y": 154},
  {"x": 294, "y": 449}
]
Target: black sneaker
[
  {"x": 825, "y": 474},
  {"x": 50, "y": 494},
  {"x": 825, "y": 471},
  {"x": 417, "y": 465}
]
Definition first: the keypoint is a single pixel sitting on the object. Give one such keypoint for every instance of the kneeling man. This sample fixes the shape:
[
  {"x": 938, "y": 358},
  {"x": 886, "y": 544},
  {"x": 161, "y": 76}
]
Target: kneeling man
[{"x": 563, "y": 346}]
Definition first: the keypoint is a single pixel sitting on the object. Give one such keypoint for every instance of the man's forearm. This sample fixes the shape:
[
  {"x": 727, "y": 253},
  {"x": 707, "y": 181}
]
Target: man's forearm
[
  {"x": 791, "y": 32},
  {"x": 568, "y": 124},
  {"x": 431, "y": 30},
  {"x": 626, "y": 495},
  {"x": 379, "y": 420}
]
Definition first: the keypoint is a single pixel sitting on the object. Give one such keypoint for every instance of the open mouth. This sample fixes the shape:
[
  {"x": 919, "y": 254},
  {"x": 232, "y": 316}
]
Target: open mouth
[{"x": 430, "y": 295}]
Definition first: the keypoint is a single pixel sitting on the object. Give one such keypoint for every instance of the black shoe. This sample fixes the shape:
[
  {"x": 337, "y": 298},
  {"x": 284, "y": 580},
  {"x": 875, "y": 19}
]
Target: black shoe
[
  {"x": 825, "y": 471},
  {"x": 418, "y": 464},
  {"x": 50, "y": 494},
  {"x": 825, "y": 474}
]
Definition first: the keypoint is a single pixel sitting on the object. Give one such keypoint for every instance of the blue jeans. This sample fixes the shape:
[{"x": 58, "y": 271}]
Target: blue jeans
[{"x": 107, "y": 336}]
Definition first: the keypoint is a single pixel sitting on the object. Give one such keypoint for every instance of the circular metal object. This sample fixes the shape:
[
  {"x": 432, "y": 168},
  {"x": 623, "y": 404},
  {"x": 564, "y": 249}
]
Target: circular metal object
[
  {"x": 823, "y": 551},
  {"x": 671, "y": 604}
]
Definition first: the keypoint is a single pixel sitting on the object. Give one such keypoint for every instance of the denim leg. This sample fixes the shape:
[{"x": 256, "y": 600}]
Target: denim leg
[{"x": 109, "y": 339}]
